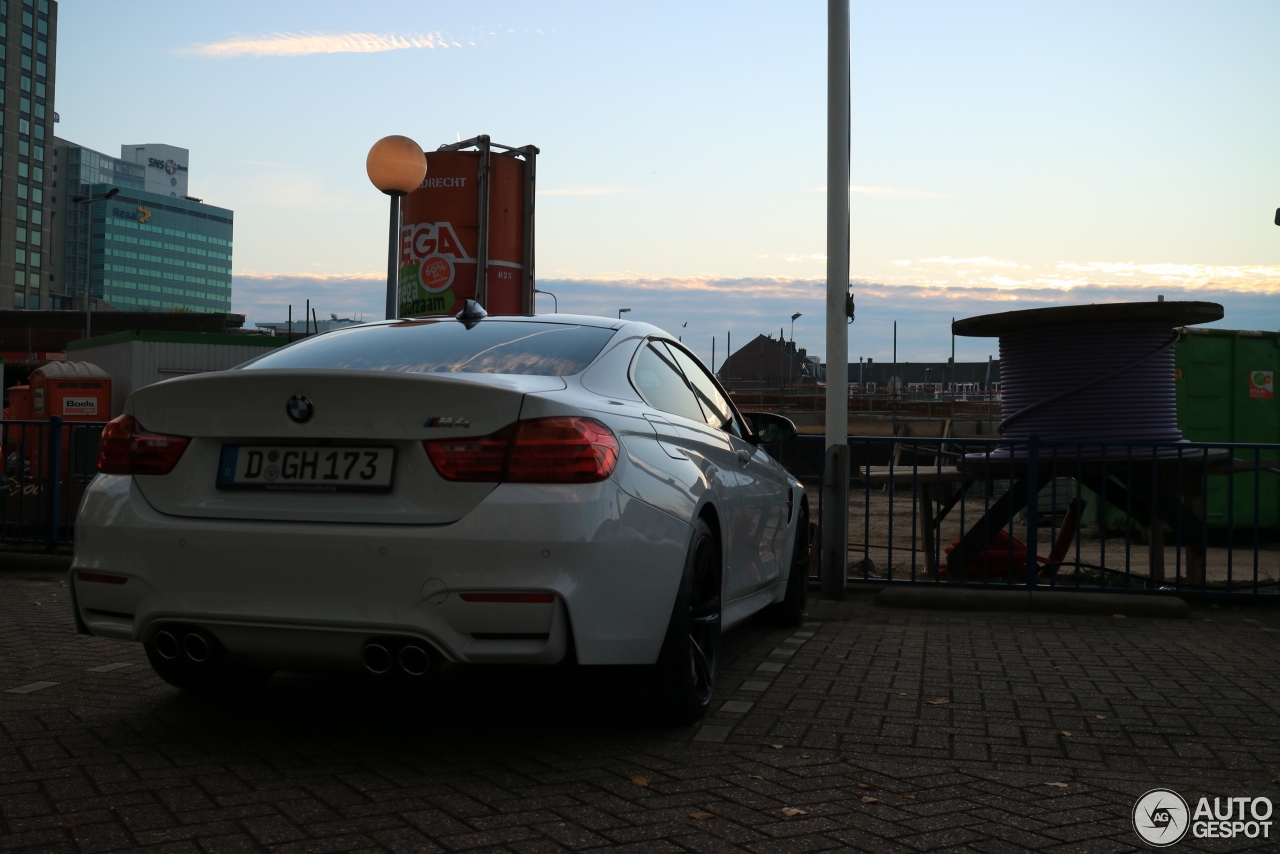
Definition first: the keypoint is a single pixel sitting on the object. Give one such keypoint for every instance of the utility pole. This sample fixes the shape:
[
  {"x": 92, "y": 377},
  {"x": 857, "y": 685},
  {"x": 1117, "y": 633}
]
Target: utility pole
[
  {"x": 835, "y": 499},
  {"x": 893, "y": 381},
  {"x": 953, "y": 357}
]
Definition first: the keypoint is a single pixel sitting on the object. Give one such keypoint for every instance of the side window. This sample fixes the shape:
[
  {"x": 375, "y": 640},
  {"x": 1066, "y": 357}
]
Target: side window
[
  {"x": 660, "y": 382},
  {"x": 718, "y": 412}
]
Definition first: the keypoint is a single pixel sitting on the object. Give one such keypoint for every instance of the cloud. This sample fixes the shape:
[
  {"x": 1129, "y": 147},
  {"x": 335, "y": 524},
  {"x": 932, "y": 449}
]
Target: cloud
[
  {"x": 306, "y": 44},
  {"x": 982, "y": 261},
  {"x": 899, "y": 192},
  {"x": 263, "y": 297},
  {"x": 748, "y": 306},
  {"x": 589, "y": 191},
  {"x": 1256, "y": 278}
]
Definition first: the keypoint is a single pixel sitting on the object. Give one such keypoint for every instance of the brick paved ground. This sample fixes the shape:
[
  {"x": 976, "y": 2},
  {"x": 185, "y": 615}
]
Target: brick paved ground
[{"x": 110, "y": 758}]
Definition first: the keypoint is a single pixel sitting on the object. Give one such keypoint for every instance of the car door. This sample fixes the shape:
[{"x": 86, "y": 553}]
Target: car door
[
  {"x": 682, "y": 426},
  {"x": 760, "y": 518}
]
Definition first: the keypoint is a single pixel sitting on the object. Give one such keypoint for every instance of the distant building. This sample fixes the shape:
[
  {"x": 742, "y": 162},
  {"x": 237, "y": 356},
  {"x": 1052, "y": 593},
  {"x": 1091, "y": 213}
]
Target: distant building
[
  {"x": 301, "y": 327},
  {"x": 28, "y": 36},
  {"x": 768, "y": 363},
  {"x": 146, "y": 249},
  {"x": 164, "y": 166},
  {"x": 920, "y": 376}
]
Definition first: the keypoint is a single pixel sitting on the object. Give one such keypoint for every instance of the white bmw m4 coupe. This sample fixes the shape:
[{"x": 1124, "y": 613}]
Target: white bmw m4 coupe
[{"x": 399, "y": 495}]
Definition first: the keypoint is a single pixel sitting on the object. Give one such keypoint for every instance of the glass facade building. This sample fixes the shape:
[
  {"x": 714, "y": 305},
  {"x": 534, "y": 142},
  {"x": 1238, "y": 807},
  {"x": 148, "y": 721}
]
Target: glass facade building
[
  {"x": 28, "y": 39},
  {"x": 138, "y": 251},
  {"x": 158, "y": 253}
]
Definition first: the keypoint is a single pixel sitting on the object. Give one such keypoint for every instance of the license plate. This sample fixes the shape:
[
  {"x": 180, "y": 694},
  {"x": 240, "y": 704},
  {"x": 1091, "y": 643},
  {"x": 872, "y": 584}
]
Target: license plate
[{"x": 306, "y": 469}]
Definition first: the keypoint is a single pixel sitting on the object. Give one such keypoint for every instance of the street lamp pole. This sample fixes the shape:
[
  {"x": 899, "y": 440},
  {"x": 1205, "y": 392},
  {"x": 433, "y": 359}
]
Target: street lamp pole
[
  {"x": 554, "y": 301},
  {"x": 88, "y": 201},
  {"x": 622, "y": 311},
  {"x": 835, "y": 503},
  {"x": 396, "y": 166}
]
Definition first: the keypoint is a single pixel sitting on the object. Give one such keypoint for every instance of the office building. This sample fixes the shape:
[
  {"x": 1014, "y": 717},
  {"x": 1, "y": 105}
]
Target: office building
[
  {"x": 139, "y": 250},
  {"x": 28, "y": 42},
  {"x": 165, "y": 167}
]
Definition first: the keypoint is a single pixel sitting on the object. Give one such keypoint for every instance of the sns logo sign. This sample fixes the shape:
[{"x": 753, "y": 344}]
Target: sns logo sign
[{"x": 1261, "y": 384}]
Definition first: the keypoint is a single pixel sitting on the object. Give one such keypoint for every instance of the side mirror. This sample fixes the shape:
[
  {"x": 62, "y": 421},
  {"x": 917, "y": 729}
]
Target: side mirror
[{"x": 770, "y": 427}]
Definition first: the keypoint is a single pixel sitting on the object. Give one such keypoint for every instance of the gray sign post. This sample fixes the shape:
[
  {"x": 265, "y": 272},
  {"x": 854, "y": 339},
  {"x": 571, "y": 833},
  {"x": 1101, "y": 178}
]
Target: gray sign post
[{"x": 835, "y": 499}]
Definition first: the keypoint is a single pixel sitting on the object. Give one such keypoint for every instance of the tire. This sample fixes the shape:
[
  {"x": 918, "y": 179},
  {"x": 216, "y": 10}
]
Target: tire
[
  {"x": 790, "y": 611},
  {"x": 209, "y": 677},
  {"x": 678, "y": 688}
]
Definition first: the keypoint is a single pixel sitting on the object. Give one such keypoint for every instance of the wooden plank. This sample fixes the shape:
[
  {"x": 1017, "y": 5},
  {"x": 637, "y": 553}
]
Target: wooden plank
[{"x": 926, "y": 528}]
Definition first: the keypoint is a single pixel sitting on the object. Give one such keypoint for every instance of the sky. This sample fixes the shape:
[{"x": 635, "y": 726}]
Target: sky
[{"x": 1004, "y": 155}]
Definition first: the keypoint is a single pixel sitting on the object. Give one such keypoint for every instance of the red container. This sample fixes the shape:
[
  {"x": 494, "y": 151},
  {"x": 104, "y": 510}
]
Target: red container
[
  {"x": 467, "y": 233},
  {"x": 78, "y": 391}
]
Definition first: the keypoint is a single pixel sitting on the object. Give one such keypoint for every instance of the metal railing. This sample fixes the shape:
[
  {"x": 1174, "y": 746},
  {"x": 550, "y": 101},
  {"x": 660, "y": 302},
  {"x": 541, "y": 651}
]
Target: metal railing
[
  {"x": 1186, "y": 517},
  {"x": 47, "y": 467}
]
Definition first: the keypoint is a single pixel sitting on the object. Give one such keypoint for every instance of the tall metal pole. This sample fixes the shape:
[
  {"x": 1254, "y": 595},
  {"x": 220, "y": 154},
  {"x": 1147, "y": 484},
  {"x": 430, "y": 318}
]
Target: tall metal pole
[
  {"x": 393, "y": 250},
  {"x": 835, "y": 500}
]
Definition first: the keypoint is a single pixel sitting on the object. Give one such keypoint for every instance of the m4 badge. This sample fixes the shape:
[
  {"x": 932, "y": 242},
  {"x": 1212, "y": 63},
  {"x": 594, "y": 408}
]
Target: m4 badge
[{"x": 446, "y": 422}]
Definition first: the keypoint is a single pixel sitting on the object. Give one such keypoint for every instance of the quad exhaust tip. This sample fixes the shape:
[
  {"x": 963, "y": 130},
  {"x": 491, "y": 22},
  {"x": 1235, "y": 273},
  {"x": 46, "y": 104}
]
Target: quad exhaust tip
[
  {"x": 377, "y": 659},
  {"x": 196, "y": 647},
  {"x": 414, "y": 660},
  {"x": 407, "y": 656},
  {"x": 166, "y": 645}
]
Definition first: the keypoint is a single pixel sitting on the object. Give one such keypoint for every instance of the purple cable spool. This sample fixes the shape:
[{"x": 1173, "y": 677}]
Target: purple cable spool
[{"x": 1089, "y": 373}]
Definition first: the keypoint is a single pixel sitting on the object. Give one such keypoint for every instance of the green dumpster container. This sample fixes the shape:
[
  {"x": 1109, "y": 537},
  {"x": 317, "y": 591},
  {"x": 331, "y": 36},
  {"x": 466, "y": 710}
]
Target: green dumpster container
[{"x": 1225, "y": 382}]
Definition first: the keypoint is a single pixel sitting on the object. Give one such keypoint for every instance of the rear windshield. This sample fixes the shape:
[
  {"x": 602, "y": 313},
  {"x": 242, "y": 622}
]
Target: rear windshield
[{"x": 448, "y": 346}]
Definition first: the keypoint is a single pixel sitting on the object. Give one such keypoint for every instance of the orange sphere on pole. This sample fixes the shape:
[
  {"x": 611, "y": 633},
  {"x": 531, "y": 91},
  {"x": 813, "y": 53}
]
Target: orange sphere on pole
[{"x": 396, "y": 165}]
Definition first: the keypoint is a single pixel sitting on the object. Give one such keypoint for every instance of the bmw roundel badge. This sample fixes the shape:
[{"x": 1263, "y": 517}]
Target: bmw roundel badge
[{"x": 300, "y": 408}]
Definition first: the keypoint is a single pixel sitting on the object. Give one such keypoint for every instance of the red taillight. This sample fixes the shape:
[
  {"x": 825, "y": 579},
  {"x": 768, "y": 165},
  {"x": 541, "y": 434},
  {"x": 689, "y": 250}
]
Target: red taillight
[
  {"x": 128, "y": 449},
  {"x": 542, "y": 450},
  {"x": 562, "y": 450},
  {"x": 481, "y": 458}
]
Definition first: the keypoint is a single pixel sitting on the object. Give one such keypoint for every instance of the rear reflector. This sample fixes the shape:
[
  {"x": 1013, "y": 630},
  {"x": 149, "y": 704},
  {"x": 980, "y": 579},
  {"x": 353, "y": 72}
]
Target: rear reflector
[
  {"x": 129, "y": 449},
  {"x": 541, "y": 450},
  {"x": 100, "y": 578},
  {"x": 544, "y": 598}
]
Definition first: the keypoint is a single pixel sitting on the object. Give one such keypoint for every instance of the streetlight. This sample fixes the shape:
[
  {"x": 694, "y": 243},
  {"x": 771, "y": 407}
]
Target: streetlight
[
  {"x": 88, "y": 201},
  {"x": 622, "y": 311},
  {"x": 793, "y": 326},
  {"x": 554, "y": 301},
  {"x": 396, "y": 166}
]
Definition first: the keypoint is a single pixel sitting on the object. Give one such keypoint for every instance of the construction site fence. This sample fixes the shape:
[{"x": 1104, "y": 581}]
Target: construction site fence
[
  {"x": 892, "y": 406},
  {"x": 1120, "y": 517},
  {"x": 47, "y": 467}
]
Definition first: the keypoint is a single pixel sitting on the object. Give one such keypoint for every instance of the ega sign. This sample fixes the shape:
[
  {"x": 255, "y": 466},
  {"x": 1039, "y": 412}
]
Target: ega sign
[{"x": 440, "y": 228}]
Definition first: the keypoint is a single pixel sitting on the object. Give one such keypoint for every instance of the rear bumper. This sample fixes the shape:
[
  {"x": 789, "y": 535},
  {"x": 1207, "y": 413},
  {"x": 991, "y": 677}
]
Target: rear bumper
[{"x": 303, "y": 596}]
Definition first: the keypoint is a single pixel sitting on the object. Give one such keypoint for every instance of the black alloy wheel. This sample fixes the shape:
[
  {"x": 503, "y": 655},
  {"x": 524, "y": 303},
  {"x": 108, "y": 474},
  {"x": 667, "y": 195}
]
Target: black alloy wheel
[
  {"x": 677, "y": 689},
  {"x": 704, "y": 617}
]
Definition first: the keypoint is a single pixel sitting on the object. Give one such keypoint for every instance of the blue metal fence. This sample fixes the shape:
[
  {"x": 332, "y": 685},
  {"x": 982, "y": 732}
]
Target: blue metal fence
[
  {"x": 1124, "y": 517},
  {"x": 47, "y": 466}
]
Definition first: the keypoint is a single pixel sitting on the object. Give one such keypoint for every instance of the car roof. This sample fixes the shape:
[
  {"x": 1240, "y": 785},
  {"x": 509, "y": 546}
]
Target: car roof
[{"x": 633, "y": 327}]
